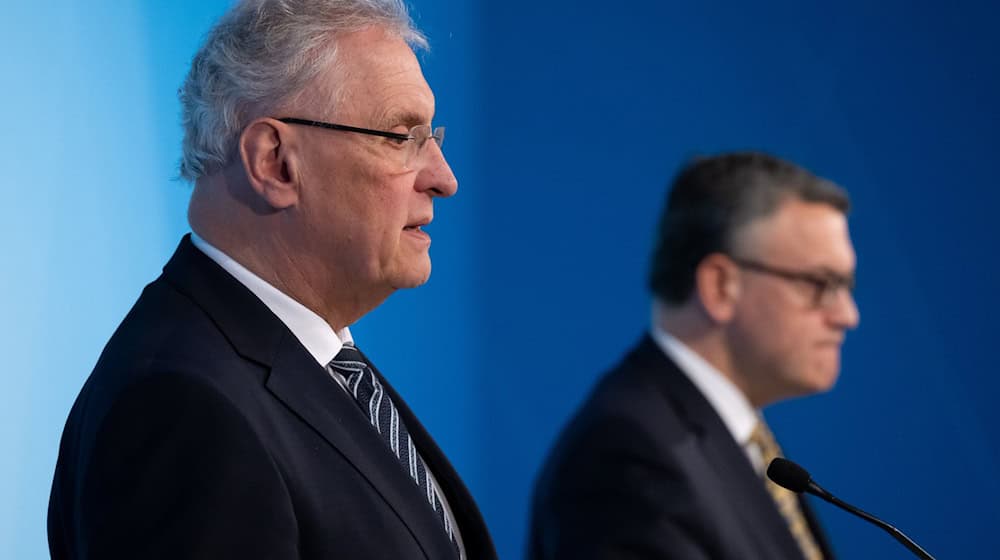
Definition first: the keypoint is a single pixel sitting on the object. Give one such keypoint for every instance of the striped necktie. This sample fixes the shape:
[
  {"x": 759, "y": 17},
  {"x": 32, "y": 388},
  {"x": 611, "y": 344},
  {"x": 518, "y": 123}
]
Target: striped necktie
[
  {"x": 787, "y": 501},
  {"x": 377, "y": 405}
]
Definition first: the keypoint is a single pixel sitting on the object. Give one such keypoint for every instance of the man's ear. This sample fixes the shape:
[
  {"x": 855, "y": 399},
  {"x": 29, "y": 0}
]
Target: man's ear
[
  {"x": 270, "y": 162},
  {"x": 717, "y": 285}
]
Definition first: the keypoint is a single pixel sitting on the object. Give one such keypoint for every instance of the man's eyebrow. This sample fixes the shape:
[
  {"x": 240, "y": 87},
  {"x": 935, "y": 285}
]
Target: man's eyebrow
[
  {"x": 831, "y": 273},
  {"x": 404, "y": 117}
]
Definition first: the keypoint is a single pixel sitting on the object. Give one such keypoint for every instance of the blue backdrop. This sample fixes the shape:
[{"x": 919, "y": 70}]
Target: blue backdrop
[{"x": 565, "y": 122}]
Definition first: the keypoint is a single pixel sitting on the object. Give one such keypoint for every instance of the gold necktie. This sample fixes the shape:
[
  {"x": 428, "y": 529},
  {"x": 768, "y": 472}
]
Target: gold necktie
[{"x": 787, "y": 501}]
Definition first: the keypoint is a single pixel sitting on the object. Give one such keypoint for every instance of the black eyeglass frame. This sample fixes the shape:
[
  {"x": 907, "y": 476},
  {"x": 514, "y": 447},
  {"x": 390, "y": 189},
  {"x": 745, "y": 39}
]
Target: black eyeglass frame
[
  {"x": 823, "y": 285},
  {"x": 346, "y": 128}
]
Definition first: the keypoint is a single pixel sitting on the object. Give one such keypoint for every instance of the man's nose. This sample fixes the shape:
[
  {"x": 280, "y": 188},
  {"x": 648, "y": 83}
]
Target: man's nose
[
  {"x": 844, "y": 311},
  {"x": 435, "y": 175}
]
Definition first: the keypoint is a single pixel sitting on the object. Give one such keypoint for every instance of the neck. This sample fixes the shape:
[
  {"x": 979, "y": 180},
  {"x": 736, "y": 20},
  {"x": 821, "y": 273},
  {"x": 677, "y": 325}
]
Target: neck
[
  {"x": 260, "y": 242},
  {"x": 692, "y": 327}
]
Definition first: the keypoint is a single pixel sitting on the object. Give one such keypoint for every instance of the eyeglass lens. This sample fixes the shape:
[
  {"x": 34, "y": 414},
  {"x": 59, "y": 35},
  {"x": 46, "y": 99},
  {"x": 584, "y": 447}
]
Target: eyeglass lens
[{"x": 417, "y": 150}]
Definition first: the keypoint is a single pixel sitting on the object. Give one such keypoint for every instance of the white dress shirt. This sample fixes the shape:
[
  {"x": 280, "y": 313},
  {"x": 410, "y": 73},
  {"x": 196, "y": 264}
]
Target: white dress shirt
[
  {"x": 732, "y": 406},
  {"x": 315, "y": 334}
]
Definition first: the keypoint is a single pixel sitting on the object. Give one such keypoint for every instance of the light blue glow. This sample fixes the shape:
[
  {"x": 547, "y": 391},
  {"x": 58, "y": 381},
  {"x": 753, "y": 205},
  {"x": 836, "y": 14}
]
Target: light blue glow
[{"x": 89, "y": 149}]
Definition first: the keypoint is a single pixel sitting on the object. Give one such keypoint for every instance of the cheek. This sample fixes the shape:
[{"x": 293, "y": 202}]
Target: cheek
[
  {"x": 777, "y": 335},
  {"x": 812, "y": 362},
  {"x": 351, "y": 227},
  {"x": 783, "y": 345},
  {"x": 387, "y": 213},
  {"x": 370, "y": 202},
  {"x": 795, "y": 338},
  {"x": 767, "y": 321}
]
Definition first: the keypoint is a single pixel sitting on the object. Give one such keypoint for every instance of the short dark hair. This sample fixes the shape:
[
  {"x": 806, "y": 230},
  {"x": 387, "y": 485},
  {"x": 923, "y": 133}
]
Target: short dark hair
[{"x": 712, "y": 198}]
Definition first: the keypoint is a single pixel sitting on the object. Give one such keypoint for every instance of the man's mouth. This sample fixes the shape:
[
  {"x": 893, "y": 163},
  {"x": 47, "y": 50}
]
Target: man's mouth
[
  {"x": 416, "y": 230},
  {"x": 417, "y": 225}
]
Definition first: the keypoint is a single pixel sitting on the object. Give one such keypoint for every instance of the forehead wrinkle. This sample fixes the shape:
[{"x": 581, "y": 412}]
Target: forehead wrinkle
[
  {"x": 405, "y": 102},
  {"x": 392, "y": 103}
]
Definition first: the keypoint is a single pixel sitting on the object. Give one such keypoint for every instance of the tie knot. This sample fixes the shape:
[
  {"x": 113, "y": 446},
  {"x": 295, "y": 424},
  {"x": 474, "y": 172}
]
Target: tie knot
[
  {"x": 349, "y": 358},
  {"x": 763, "y": 438}
]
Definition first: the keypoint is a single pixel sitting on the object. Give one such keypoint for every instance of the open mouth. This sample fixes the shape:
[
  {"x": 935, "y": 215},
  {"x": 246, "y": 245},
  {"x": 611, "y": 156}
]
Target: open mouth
[{"x": 416, "y": 231}]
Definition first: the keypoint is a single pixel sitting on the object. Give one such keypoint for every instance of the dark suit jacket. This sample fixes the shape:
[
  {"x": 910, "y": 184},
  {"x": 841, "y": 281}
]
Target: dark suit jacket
[
  {"x": 207, "y": 431},
  {"x": 647, "y": 469}
]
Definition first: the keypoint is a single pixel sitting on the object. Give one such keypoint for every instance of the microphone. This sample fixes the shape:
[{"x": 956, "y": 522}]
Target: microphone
[{"x": 792, "y": 477}]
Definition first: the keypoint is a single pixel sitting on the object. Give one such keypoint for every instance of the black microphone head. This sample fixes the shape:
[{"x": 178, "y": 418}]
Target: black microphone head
[{"x": 788, "y": 475}]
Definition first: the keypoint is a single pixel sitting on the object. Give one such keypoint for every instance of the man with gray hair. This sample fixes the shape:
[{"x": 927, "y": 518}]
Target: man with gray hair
[
  {"x": 232, "y": 415},
  {"x": 751, "y": 278}
]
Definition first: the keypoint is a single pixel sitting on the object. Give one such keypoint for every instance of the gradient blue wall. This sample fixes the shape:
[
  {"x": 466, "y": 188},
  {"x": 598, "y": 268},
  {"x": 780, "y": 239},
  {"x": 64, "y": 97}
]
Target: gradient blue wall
[
  {"x": 593, "y": 106},
  {"x": 91, "y": 211},
  {"x": 565, "y": 121}
]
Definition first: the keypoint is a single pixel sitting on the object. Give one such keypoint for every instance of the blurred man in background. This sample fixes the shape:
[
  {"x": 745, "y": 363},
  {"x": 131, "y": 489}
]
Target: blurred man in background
[
  {"x": 752, "y": 280},
  {"x": 232, "y": 415}
]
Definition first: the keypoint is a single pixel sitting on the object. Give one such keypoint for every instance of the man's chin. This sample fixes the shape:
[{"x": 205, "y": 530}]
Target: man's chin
[
  {"x": 413, "y": 278},
  {"x": 811, "y": 383},
  {"x": 822, "y": 381}
]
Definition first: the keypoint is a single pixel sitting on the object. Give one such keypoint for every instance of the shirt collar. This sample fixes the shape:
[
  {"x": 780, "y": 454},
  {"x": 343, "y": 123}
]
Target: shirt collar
[
  {"x": 726, "y": 399},
  {"x": 315, "y": 334}
]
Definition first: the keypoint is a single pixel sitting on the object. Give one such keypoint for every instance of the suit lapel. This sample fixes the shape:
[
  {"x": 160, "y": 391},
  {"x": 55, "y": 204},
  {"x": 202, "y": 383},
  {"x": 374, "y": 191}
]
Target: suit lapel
[
  {"x": 475, "y": 535},
  {"x": 306, "y": 389},
  {"x": 299, "y": 382},
  {"x": 733, "y": 471}
]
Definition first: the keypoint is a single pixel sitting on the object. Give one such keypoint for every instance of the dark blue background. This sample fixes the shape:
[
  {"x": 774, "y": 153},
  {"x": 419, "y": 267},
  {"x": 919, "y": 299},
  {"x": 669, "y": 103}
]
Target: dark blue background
[{"x": 582, "y": 112}]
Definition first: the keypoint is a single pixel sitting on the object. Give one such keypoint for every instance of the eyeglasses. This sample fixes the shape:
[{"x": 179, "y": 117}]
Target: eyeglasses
[
  {"x": 826, "y": 287},
  {"x": 410, "y": 145}
]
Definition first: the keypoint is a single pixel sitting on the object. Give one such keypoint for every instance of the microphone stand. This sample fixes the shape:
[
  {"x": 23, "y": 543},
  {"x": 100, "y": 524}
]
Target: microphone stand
[{"x": 818, "y": 491}]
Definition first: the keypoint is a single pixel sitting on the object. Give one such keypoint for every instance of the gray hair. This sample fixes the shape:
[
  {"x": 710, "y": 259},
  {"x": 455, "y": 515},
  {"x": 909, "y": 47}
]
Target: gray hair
[{"x": 261, "y": 55}]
